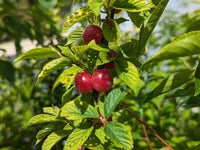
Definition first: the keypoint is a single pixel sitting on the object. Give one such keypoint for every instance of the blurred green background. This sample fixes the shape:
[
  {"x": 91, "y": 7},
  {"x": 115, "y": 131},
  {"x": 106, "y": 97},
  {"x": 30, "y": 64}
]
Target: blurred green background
[{"x": 176, "y": 119}]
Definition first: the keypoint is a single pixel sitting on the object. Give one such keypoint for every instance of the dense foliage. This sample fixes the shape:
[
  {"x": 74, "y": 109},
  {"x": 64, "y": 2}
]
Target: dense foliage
[
  {"x": 19, "y": 98},
  {"x": 160, "y": 90}
]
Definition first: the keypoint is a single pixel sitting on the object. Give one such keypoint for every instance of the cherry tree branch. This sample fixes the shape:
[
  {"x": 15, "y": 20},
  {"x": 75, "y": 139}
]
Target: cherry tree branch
[
  {"x": 152, "y": 131},
  {"x": 146, "y": 135}
]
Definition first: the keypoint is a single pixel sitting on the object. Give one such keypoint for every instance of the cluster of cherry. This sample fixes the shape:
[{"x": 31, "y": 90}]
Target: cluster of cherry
[{"x": 101, "y": 80}]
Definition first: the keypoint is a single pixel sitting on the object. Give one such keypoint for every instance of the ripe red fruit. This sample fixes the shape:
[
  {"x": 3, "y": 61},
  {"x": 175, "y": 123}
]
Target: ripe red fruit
[
  {"x": 102, "y": 80},
  {"x": 112, "y": 53},
  {"x": 92, "y": 32},
  {"x": 83, "y": 82},
  {"x": 79, "y": 148},
  {"x": 103, "y": 120},
  {"x": 110, "y": 66}
]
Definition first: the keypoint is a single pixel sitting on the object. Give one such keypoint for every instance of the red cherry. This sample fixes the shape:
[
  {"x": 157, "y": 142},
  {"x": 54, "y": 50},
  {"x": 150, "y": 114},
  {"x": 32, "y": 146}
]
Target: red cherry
[
  {"x": 112, "y": 53},
  {"x": 79, "y": 148},
  {"x": 102, "y": 80},
  {"x": 103, "y": 120},
  {"x": 83, "y": 82},
  {"x": 110, "y": 65},
  {"x": 109, "y": 119},
  {"x": 117, "y": 11},
  {"x": 92, "y": 32}
]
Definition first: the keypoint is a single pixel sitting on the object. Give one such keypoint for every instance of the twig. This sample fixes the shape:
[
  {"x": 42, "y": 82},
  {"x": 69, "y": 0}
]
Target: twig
[
  {"x": 146, "y": 135},
  {"x": 152, "y": 131}
]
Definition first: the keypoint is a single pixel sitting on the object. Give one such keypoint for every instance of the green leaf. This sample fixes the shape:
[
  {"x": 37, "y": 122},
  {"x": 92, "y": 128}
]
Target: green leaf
[
  {"x": 133, "y": 5},
  {"x": 75, "y": 110},
  {"x": 197, "y": 86},
  {"x": 101, "y": 108},
  {"x": 150, "y": 24},
  {"x": 53, "y": 138},
  {"x": 137, "y": 18},
  {"x": 75, "y": 17},
  {"x": 128, "y": 73},
  {"x": 67, "y": 95},
  {"x": 111, "y": 2},
  {"x": 188, "y": 90},
  {"x": 86, "y": 97},
  {"x": 171, "y": 83},
  {"x": 111, "y": 31},
  {"x": 186, "y": 45},
  {"x": 194, "y": 25},
  {"x": 92, "y": 60},
  {"x": 67, "y": 52},
  {"x": 48, "y": 4},
  {"x": 68, "y": 127},
  {"x": 38, "y": 53},
  {"x": 74, "y": 36},
  {"x": 80, "y": 50},
  {"x": 112, "y": 100},
  {"x": 193, "y": 101},
  {"x": 94, "y": 20},
  {"x": 130, "y": 48},
  {"x": 51, "y": 127},
  {"x": 51, "y": 110},
  {"x": 98, "y": 147},
  {"x": 96, "y": 47},
  {"x": 197, "y": 80},
  {"x": 119, "y": 134},
  {"x": 38, "y": 119},
  {"x": 77, "y": 138},
  {"x": 52, "y": 66},
  {"x": 67, "y": 77},
  {"x": 94, "y": 143},
  {"x": 95, "y": 6},
  {"x": 121, "y": 20},
  {"x": 7, "y": 71},
  {"x": 101, "y": 135},
  {"x": 56, "y": 83}
]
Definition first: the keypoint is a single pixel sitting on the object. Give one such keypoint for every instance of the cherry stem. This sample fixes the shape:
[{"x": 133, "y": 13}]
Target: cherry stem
[
  {"x": 152, "y": 131},
  {"x": 95, "y": 96}
]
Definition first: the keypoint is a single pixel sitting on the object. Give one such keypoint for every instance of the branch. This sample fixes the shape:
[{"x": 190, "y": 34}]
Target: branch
[
  {"x": 146, "y": 135},
  {"x": 152, "y": 131}
]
